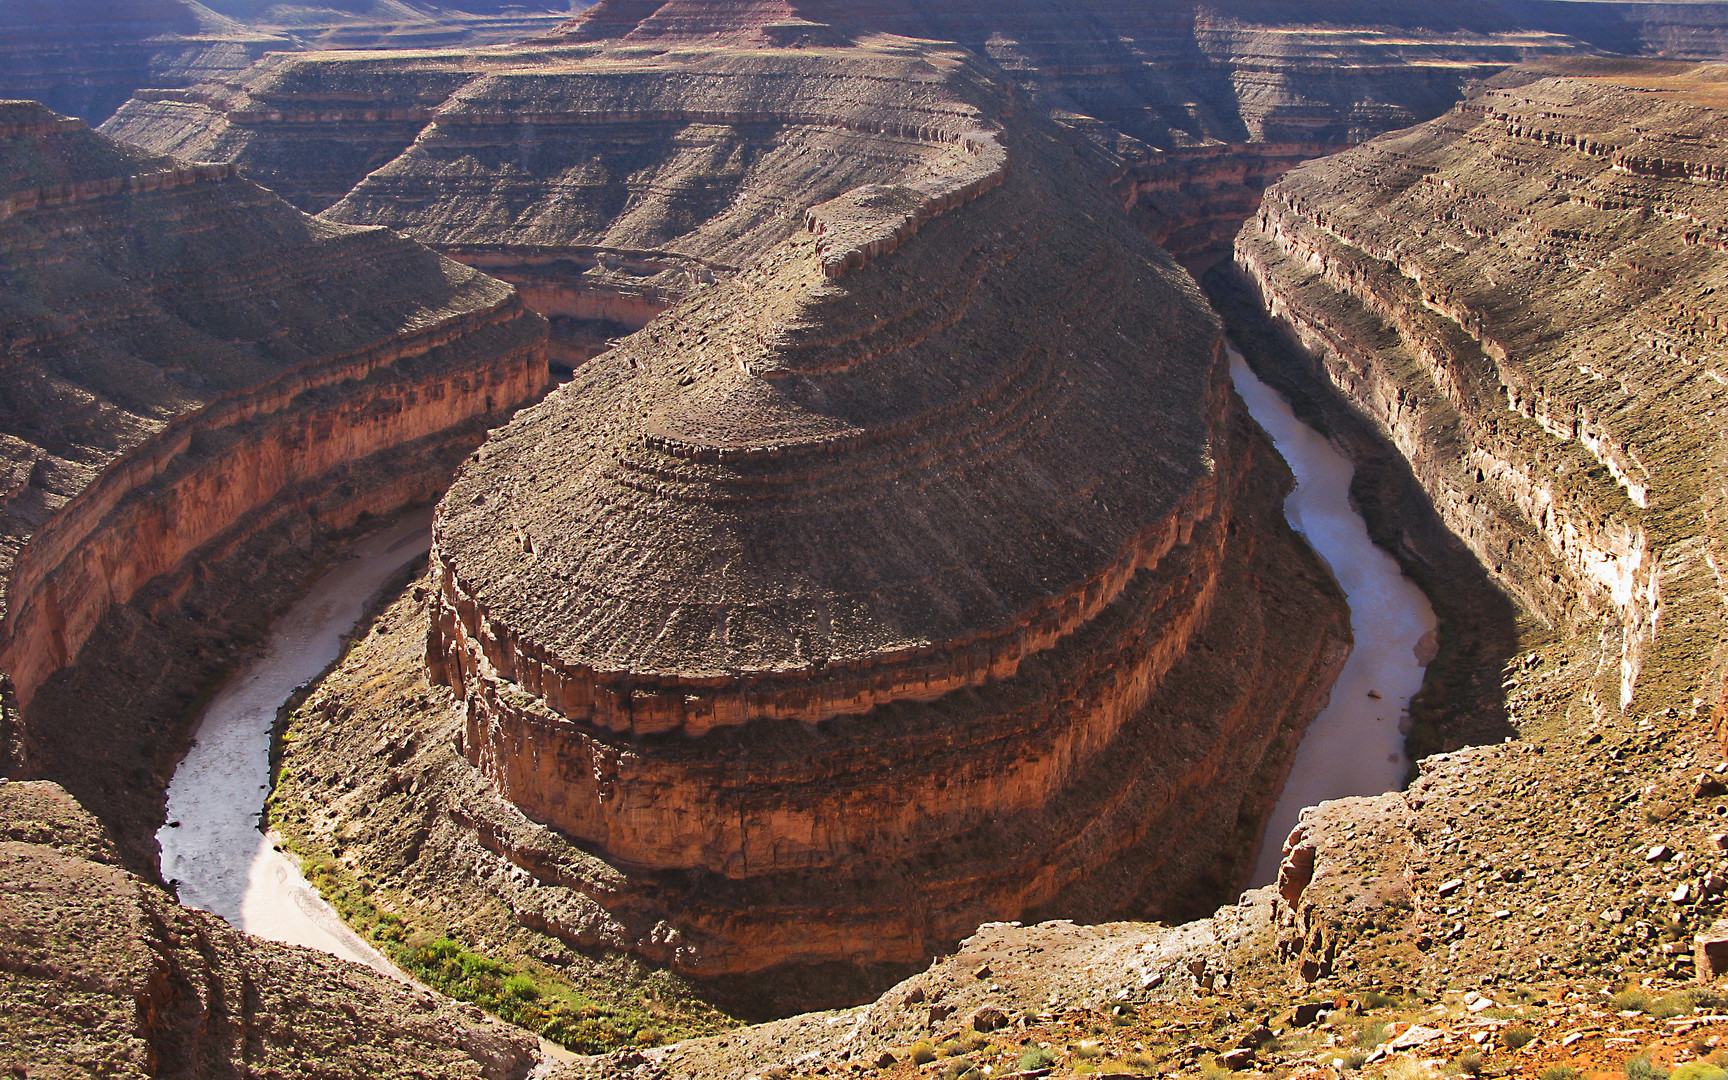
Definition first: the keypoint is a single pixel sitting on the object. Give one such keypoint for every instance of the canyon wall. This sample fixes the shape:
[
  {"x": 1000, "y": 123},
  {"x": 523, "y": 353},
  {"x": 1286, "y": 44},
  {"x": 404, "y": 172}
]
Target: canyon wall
[
  {"x": 522, "y": 159},
  {"x": 918, "y": 571},
  {"x": 189, "y": 360},
  {"x": 1520, "y": 296},
  {"x": 87, "y": 57}
]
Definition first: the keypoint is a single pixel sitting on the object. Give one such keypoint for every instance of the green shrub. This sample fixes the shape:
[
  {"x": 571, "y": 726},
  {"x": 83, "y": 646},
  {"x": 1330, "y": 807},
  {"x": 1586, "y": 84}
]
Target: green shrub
[
  {"x": 1698, "y": 1070},
  {"x": 1642, "y": 1068},
  {"x": 1517, "y": 1038},
  {"x": 1469, "y": 1063},
  {"x": 950, "y": 1048},
  {"x": 1140, "y": 1063},
  {"x": 1035, "y": 1057},
  {"x": 1086, "y": 1051},
  {"x": 1372, "y": 1035},
  {"x": 1561, "y": 1072},
  {"x": 1374, "y": 999},
  {"x": 958, "y": 1068},
  {"x": 521, "y": 987},
  {"x": 1631, "y": 1001},
  {"x": 922, "y": 1053}
]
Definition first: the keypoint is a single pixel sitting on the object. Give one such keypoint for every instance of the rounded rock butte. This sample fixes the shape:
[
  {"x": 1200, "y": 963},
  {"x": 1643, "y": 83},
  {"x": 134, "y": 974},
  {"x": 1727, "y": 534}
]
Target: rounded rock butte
[{"x": 864, "y": 597}]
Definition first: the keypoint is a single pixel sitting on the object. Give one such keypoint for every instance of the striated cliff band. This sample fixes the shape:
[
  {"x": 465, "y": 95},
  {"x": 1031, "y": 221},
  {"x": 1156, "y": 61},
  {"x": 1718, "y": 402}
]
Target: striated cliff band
[
  {"x": 615, "y": 166},
  {"x": 87, "y": 57},
  {"x": 1522, "y": 297},
  {"x": 199, "y": 377},
  {"x": 922, "y": 571}
]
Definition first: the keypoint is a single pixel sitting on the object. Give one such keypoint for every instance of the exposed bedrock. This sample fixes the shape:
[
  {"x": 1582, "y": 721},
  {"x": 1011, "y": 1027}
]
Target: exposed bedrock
[
  {"x": 1522, "y": 296},
  {"x": 614, "y": 167},
  {"x": 87, "y": 57},
  {"x": 98, "y": 965},
  {"x": 871, "y": 593},
  {"x": 189, "y": 363}
]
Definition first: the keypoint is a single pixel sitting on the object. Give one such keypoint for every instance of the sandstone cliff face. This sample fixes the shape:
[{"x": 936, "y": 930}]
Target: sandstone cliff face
[
  {"x": 1522, "y": 296},
  {"x": 188, "y": 360},
  {"x": 103, "y": 972},
  {"x": 920, "y": 572}
]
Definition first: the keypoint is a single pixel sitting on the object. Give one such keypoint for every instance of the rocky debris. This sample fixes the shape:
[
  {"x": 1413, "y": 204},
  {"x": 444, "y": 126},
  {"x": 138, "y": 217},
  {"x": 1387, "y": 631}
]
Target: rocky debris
[
  {"x": 103, "y": 974},
  {"x": 199, "y": 374}
]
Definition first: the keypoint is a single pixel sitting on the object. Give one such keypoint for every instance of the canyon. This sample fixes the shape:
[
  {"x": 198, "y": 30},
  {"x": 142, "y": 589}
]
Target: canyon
[
  {"x": 197, "y": 375},
  {"x": 734, "y": 633},
  {"x": 85, "y": 58},
  {"x": 896, "y": 564}
]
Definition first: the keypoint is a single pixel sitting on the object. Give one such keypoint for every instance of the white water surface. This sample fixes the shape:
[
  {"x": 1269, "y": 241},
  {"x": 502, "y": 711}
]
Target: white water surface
[
  {"x": 212, "y": 848},
  {"x": 1356, "y": 745}
]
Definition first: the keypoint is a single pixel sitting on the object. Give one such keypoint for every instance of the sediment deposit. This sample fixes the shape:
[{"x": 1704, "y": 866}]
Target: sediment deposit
[
  {"x": 1521, "y": 295},
  {"x": 191, "y": 364}
]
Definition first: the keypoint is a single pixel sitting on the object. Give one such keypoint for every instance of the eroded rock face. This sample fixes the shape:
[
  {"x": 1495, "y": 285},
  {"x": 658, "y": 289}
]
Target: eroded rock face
[
  {"x": 189, "y": 362},
  {"x": 87, "y": 57},
  {"x": 1522, "y": 295},
  {"x": 100, "y": 966},
  {"x": 857, "y": 599},
  {"x": 612, "y": 168}
]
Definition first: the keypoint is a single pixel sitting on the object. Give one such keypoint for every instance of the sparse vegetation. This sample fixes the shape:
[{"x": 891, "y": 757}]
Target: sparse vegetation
[
  {"x": 1035, "y": 1057},
  {"x": 1641, "y": 1068},
  {"x": 1517, "y": 1038}
]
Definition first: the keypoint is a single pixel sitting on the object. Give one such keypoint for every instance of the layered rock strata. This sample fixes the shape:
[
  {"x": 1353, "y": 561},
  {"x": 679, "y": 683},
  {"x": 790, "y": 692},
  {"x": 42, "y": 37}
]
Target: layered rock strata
[
  {"x": 191, "y": 362},
  {"x": 889, "y": 552},
  {"x": 102, "y": 971},
  {"x": 387, "y": 24},
  {"x": 87, "y": 57},
  {"x": 1521, "y": 296},
  {"x": 613, "y": 168}
]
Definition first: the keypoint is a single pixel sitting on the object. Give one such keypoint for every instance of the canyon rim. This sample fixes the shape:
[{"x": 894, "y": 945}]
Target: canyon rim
[{"x": 855, "y": 584}]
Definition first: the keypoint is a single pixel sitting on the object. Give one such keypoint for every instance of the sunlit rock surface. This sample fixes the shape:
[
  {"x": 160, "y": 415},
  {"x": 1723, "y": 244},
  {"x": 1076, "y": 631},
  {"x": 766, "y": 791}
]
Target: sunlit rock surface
[{"x": 190, "y": 363}]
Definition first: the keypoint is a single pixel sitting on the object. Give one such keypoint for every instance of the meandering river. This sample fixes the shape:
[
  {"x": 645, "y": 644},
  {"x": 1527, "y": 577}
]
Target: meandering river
[
  {"x": 1356, "y": 745},
  {"x": 212, "y": 849}
]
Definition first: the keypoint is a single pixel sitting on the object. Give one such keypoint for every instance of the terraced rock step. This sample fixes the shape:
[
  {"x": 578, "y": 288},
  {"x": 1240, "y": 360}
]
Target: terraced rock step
[
  {"x": 1522, "y": 296},
  {"x": 192, "y": 366}
]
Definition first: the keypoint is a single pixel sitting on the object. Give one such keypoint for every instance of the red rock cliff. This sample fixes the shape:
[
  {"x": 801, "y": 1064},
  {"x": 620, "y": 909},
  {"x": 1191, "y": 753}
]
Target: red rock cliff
[{"x": 186, "y": 358}]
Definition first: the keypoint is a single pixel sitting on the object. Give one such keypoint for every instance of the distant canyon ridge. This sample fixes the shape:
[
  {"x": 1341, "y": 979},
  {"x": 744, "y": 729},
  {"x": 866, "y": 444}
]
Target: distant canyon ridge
[{"x": 894, "y": 556}]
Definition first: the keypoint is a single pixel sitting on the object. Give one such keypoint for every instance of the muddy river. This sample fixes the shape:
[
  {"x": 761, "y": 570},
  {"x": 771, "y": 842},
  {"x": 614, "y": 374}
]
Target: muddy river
[
  {"x": 1356, "y": 745},
  {"x": 212, "y": 849}
]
